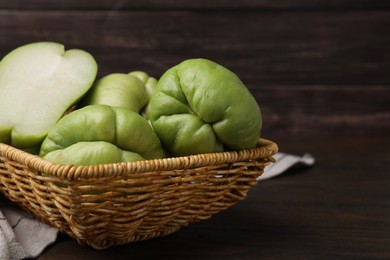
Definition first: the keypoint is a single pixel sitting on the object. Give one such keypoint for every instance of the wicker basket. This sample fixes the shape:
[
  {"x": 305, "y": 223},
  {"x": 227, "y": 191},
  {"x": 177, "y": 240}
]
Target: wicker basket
[{"x": 114, "y": 204}]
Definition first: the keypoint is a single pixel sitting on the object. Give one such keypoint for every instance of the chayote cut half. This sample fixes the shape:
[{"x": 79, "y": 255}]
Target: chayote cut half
[
  {"x": 38, "y": 83},
  {"x": 99, "y": 134},
  {"x": 200, "y": 107}
]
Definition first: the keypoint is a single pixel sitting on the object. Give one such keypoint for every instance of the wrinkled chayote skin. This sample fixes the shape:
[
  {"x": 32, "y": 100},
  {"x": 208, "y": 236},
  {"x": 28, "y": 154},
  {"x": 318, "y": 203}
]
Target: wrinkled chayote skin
[
  {"x": 148, "y": 81},
  {"x": 150, "y": 84},
  {"x": 200, "y": 107},
  {"x": 99, "y": 134},
  {"x": 131, "y": 91}
]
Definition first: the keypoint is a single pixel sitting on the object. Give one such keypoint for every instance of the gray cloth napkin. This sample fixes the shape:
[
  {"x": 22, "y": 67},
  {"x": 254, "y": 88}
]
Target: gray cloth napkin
[{"x": 23, "y": 236}]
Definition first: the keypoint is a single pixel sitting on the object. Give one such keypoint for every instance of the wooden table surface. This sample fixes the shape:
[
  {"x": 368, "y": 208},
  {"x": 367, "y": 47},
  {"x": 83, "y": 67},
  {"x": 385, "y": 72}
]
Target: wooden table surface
[{"x": 339, "y": 208}]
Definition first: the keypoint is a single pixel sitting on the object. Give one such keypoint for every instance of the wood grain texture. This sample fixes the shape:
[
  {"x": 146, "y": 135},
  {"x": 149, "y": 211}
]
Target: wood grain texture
[
  {"x": 324, "y": 111},
  {"x": 199, "y": 4},
  {"x": 289, "y": 48},
  {"x": 314, "y": 73}
]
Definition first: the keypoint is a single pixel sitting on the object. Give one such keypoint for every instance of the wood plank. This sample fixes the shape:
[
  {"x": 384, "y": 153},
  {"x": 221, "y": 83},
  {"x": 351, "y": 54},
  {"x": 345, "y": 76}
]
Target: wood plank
[
  {"x": 262, "y": 48},
  {"x": 194, "y": 5},
  {"x": 324, "y": 111}
]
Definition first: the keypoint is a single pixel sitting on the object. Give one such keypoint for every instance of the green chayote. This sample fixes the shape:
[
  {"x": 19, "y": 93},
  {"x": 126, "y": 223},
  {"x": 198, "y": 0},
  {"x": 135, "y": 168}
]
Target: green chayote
[
  {"x": 131, "y": 91},
  {"x": 98, "y": 134},
  {"x": 150, "y": 84},
  {"x": 200, "y": 106},
  {"x": 148, "y": 81}
]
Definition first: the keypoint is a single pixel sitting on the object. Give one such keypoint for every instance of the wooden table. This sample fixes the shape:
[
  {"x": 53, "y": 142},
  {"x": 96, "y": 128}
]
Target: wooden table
[{"x": 339, "y": 208}]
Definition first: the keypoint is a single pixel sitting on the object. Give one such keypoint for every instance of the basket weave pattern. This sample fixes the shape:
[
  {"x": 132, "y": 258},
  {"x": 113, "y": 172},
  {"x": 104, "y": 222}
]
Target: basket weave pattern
[{"x": 114, "y": 204}]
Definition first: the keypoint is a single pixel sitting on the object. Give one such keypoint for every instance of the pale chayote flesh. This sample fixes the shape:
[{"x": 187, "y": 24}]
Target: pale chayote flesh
[{"x": 38, "y": 83}]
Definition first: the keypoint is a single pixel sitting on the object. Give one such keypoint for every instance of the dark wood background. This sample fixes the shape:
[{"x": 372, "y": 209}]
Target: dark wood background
[{"x": 317, "y": 68}]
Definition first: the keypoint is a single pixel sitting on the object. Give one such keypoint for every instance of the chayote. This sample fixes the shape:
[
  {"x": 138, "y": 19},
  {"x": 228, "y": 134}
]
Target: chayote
[
  {"x": 148, "y": 81},
  {"x": 38, "y": 82},
  {"x": 150, "y": 84},
  {"x": 98, "y": 134},
  {"x": 131, "y": 91},
  {"x": 200, "y": 106}
]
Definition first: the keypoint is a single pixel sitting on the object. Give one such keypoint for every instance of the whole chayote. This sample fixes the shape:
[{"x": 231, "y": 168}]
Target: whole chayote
[
  {"x": 200, "y": 106},
  {"x": 99, "y": 134},
  {"x": 131, "y": 91}
]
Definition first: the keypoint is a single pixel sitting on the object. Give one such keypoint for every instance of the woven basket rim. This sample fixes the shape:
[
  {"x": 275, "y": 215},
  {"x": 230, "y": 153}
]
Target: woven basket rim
[{"x": 265, "y": 148}]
